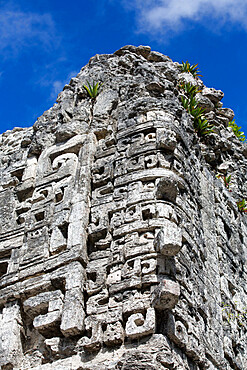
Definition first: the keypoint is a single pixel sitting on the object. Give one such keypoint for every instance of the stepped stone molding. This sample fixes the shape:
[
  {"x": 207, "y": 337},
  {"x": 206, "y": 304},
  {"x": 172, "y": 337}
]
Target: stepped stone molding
[{"x": 119, "y": 246}]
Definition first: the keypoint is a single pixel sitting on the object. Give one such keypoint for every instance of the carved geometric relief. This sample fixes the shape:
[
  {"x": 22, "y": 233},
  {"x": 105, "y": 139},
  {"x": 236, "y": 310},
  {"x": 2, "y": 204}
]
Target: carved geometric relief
[
  {"x": 140, "y": 324},
  {"x": 45, "y": 310},
  {"x": 35, "y": 246}
]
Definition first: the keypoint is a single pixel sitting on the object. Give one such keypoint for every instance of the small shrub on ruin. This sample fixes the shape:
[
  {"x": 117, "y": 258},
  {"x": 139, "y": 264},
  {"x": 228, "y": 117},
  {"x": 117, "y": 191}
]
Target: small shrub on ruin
[
  {"x": 193, "y": 69},
  {"x": 226, "y": 180},
  {"x": 201, "y": 125},
  {"x": 242, "y": 205},
  {"x": 231, "y": 314},
  {"x": 195, "y": 111},
  {"x": 92, "y": 91},
  {"x": 237, "y": 130},
  {"x": 189, "y": 89}
]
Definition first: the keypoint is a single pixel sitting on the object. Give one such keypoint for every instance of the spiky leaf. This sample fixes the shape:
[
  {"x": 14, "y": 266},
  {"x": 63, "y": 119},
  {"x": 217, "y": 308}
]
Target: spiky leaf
[
  {"x": 237, "y": 130},
  {"x": 193, "y": 69},
  {"x": 92, "y": 90}
]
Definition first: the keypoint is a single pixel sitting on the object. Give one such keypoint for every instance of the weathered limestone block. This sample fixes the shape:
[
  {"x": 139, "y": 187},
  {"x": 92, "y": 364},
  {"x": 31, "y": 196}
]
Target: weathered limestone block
[
  {"x": 7, "y": 215},
  {"x": 166, "y": 295},
  {"x": 73, "y": 314},
  {"x": 100, "y": 221},
  {"x": 58, "y": 241},
  {"x": 98, "y": 303},
  {"x": 168, "y": 186},
  {"x": 204, "y": 102},
  {"x": 131, "y": 268},
  {"x": 137, "y": 325},
  {"x": 169, "y": 239},
  {"x": 35, "y": 247},
  {"x": 68, "y": 130},
  {"x": 60, "y": 157},
  {"x": 96, "y": 276},
  {"x": 30, "y": 170},
  {"x": 177, "y": 331},
  {"x": 114, "y": 334},
  {"x": 11, "y": 352},
  {"x": 35, "y": 305},
  {"x": 149, "y": 265},
  {"x": 94, "y": 342},
  {"x": 45, "y": 323},
  {"x": 136, "y": 302},
  {"x": 104, "y": 105},
  {"x": 53, "y": 311},
  {"x": 77, "y": 237},
  {"x": 188, "y": 78},
  {"x": 214, "y": 95},
  {"x": 226, "y": 112},
  {"x": 48, "y": 301},
  {"x": 114, "y": 276},
  {"x": 136, "y": 243},
  {"x": 165, "y": 210},
  {"x": 102, "y": 171},
  {"x": 72, "y": 320},
  {"x": 166, "y": 138},
  {"x": 53, "y": 344},
  {"x": 130, "y": 283}
]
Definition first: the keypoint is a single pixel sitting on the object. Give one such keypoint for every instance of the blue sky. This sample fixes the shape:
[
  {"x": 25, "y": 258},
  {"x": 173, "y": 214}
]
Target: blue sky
[{"x": 43, "y": 43}]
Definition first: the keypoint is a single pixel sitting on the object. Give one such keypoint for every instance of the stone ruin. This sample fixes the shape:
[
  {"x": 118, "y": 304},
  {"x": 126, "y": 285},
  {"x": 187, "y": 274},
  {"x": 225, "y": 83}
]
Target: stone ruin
[{"x": 120, "y": 248}]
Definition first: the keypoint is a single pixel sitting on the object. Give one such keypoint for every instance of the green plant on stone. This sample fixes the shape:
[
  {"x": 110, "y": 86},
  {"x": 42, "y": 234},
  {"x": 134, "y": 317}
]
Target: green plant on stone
[
  {"x": 242, "y": 205},
  {"x": 193, "y": 69},
  {"x": 231, "y": 314},
  {"x": 195, "y": 111},
  {"x": 237, "y": 130},
  {"x": 193, "y": 103},
  {"x": 203, "y": 127},
  {"x": 226, "y": 179},
  {"x": 189, "y": 102},
  {"x": 92, "y": 90},
  {"x": 185, "y": 102},
  {"x": 189, "y": 89}
]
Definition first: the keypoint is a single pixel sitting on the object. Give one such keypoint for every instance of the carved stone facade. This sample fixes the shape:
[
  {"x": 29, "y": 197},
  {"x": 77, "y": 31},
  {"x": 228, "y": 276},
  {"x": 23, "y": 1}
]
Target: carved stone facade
[{"x": 119, "y": 246}]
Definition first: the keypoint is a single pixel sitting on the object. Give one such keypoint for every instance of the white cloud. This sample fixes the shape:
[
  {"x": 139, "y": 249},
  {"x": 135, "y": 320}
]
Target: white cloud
[
  {"x": 171, "y": 15},
  {"x": 58, "y": 85},
  {"x": 35, "y": 34},
  {"x": 19, "y": 30}
]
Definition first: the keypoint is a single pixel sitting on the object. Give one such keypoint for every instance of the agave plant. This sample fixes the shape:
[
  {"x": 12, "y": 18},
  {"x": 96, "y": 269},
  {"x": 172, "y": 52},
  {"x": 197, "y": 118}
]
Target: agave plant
[
  {"x": 185, "y": 102},
  {"x": 189, "y": 102},
  {"x": 195, "y": 111},
  {"x": 242, "y": 205},
  {"x": 193, "y": 103},
  {"x": 193, "y": 69},
  {"x": 189, "y": 89},
  {"x": 236, "y": 129},
  {"x": 92, "y": 90},
  {"x": 202, "y": 127},
  {"x": 226, "y": 179}
]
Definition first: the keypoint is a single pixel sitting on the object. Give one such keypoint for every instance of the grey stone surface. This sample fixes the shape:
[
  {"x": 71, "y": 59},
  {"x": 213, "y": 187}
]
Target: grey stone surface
[{"x": 119, "y": 246}]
